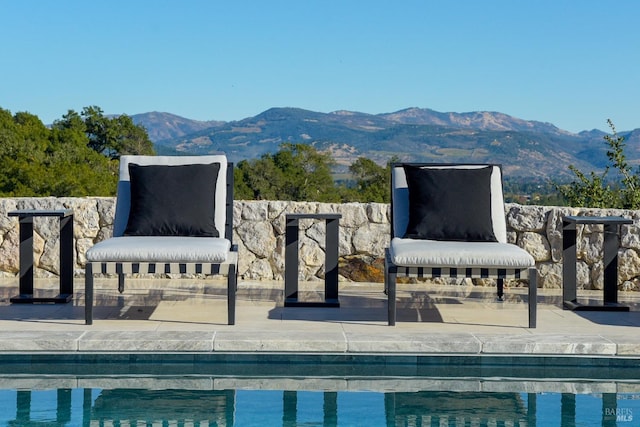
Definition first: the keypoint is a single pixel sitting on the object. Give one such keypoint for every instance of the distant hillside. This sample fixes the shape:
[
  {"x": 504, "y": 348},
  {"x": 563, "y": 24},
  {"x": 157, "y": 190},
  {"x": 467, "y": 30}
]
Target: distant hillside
[
  {"x": 161, "y": 126},
  {"x": 481, "y": 120},
  {"x": 525, "y": 148}
]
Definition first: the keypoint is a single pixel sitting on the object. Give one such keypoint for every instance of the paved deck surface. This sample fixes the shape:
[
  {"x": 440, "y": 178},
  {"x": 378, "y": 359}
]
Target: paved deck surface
[
  {"x": 167, "y": 316},
  {"x": 156, "y": 322}
]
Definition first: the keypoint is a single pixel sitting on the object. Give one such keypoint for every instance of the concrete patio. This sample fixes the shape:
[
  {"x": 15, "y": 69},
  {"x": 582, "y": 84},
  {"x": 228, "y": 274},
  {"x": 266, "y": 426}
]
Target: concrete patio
[{"x": 189, "y": 316}]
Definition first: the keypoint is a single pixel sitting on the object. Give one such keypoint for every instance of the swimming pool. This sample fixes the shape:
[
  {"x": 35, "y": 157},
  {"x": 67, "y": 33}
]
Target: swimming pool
[
  {"x": 279, "y": 393},
  {"x": 211, "y": 401},
  {"x": 94, "y": 406}
]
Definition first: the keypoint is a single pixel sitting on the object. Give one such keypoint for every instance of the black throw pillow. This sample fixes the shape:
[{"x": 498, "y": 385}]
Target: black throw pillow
[
  {"x": 449, "y": 204},
  {"x": 173, "y": 200}
]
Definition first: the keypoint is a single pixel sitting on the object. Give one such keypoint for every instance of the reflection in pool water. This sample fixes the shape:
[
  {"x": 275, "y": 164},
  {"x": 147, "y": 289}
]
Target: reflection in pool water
[{"x": 262, "y": 401}]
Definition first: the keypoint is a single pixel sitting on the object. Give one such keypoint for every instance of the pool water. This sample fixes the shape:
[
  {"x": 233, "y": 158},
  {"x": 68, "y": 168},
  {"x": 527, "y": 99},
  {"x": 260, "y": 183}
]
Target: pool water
[{"x": 210, "y": 401}]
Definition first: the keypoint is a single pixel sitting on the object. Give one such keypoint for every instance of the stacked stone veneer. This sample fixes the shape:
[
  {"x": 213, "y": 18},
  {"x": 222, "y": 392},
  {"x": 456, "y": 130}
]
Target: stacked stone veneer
[{"x": 259, "y": 228}]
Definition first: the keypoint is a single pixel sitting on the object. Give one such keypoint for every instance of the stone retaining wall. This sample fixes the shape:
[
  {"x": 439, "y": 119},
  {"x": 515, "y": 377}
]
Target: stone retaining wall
[{"x": 259, "y": 229}]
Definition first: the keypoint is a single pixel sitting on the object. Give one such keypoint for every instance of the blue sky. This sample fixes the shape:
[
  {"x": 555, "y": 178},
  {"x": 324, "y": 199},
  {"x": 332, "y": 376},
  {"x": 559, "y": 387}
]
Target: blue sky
[{"x": 571, "y": 63}]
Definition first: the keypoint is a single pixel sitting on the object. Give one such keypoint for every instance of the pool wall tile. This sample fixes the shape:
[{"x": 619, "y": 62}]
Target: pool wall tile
[
  {"x": 271, "y": 383},
  {"x": 549, "y": 386},
  {"x": 404, "y": 385},
  {"x": 41, "y": 383},
  {"x": 148, "y": 383},
  {"x": 628, "y": 387}
]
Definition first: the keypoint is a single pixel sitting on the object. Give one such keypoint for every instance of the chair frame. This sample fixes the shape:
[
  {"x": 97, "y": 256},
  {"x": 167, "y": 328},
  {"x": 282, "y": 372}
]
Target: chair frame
[
  {"x": 227, "y": 268},
  {"x": 392, "y": 271}
]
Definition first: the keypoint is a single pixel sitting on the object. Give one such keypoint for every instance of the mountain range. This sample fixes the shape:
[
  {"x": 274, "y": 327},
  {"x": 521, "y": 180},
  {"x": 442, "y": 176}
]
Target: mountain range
[{"x": 525, "y": 148}]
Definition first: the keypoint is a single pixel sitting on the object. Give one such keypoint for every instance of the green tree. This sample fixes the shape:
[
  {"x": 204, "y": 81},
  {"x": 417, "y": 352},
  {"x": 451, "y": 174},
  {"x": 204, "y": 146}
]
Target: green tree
[
  {"x": 75, "y": 157},
  {"x": 23, "y": 144},
  {"x": 371, "y": 181},
  {"x": 597, "y": 190},
  {"x": 258, "y": 179},
  {"x": 306, "y": 173},
  {"x": 82, "y": 170},
  {"x": 299, "y": 172},
  {"x": 296, "y": 172},
  {"x": 114, "y": 136},
  {"x": 628, "y": 191}
]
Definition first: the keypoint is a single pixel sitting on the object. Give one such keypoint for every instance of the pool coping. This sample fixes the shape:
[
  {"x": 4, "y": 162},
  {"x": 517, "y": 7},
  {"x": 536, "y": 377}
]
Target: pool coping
[{"x": 336, "y": 341}]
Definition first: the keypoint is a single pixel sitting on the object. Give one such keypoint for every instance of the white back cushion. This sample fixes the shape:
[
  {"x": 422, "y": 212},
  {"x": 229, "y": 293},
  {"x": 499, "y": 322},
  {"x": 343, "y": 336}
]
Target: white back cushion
[
  {"x": 123, "y": 200},
  {"x": 400, "y": 199}
]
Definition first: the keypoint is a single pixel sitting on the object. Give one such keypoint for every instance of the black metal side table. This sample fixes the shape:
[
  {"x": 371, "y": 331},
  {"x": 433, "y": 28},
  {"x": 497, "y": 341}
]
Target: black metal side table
[
  {"x": 610, "y": 259},
  {"x": 331, "y": 261},
  {"x": 26, "y": 255}
]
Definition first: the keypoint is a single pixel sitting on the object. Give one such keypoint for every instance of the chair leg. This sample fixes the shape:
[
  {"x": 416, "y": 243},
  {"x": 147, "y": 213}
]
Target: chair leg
[
  {"x": 88, "y": 294},
  {"x": 533, "y": 297},
  {"x": 500, "y": 286},
  {"x": 390, "y": 275},
  {"x": 391, "y": 298},
  {"x": 121, "y": 282},
  {"x": 386, "y": 271},
  {"x": 232, "y": 284}
]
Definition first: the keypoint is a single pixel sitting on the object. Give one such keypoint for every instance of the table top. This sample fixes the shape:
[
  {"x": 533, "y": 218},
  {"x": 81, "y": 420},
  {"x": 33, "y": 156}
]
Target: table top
[
  {"x": 313, "y": 216},
  {"x": 598, "y": 220},
  {"x": 24, "y": 213}
]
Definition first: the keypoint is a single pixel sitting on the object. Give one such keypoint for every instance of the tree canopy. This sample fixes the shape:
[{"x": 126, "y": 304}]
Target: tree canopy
[
  {"x": 622, "y": 190},
  {"x": 299, "y": 172},
  {"x": 371, "y": 180},
  {"x": 296, "y": 172},
  {"x": 75, "y": 157},
  {"x": 78, "y": 156}
]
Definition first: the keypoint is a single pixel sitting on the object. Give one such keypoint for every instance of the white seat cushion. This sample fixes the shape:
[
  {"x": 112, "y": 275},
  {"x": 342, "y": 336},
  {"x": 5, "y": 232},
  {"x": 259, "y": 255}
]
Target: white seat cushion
[
  {"x": 160, "y": 249},
  {"x": 432, "y": 253}
]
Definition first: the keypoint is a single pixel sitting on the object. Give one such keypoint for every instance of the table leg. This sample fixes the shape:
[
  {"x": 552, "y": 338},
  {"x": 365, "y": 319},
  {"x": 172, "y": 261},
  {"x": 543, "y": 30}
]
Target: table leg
[
  {"x": 291, "y": 261},
  {"x": 26, "y": 256},
  {"x": 569, "y": 293},
  {"x": 331, "y": 261},
  {"x": 66, "y": 257},
  {"x": 88, "y": 294},
  {"x": 611, "y": 244}
]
